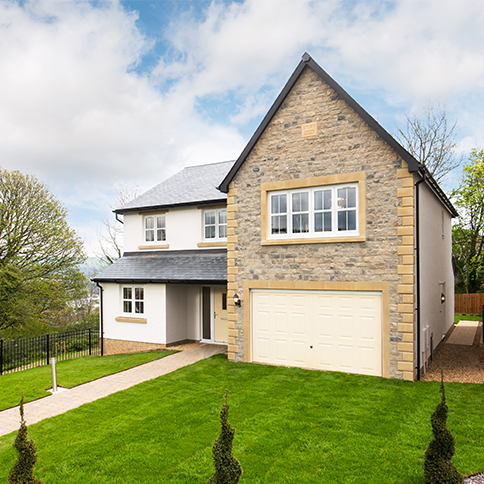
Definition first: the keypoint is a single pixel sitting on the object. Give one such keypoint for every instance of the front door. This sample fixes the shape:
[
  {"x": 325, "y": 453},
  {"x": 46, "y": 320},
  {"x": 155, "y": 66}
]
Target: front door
[{"x": 214, "y": 314}]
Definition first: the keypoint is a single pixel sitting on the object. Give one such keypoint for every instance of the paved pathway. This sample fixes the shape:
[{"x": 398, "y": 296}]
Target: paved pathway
[
  {"x": 63, "y": 401},
  {"x": 464, "y": 333}
]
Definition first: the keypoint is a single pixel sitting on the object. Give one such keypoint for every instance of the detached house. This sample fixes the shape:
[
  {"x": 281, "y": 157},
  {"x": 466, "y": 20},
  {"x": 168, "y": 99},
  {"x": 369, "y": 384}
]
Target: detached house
[{"x": 324, "y": 245}]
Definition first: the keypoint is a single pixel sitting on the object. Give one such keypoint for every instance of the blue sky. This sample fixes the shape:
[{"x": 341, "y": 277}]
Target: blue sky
[{"x": 100, "y": 94}]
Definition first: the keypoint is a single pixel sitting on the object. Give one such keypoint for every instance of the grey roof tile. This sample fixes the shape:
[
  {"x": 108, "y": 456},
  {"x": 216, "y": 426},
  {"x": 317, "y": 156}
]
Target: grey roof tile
[
  {"x": 183, "y": 266},
  {"x": 191, "y": 185}
]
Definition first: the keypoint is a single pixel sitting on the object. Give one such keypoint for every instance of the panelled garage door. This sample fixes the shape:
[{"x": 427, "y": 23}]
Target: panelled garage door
[{"x": 340, "y": 331}]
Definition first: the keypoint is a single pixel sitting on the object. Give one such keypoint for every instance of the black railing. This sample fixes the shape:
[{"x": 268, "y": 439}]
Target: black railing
[{"x": 25, "y": 353}]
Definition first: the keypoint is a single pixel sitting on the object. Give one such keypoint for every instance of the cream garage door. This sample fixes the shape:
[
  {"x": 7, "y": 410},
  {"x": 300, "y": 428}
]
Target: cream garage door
[{"x": 339, "y": 331}]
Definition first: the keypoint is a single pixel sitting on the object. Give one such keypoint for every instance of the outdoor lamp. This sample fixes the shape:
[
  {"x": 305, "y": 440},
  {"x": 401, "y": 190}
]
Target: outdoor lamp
[
  {"x": 442, "y": 298},
  {"x": 237, "y": 300}
]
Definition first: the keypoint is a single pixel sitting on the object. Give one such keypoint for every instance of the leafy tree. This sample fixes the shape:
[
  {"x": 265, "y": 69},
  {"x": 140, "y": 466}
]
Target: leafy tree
[
  {"x": 23, "y": 470},
  {"x": 468, "y": 232},
  {"x": 438, "y": 468},
  {"x": 430, "y": 138},
  {"x": 39, "y": 252},
  {"x": 227, "y": 468}
]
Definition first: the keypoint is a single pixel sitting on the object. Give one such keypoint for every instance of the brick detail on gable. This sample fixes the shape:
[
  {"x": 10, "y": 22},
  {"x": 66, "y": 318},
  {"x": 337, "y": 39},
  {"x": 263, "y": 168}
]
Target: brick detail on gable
[
  {"x": 232, "y": 287},
  {"x": 406, "y": 269}
]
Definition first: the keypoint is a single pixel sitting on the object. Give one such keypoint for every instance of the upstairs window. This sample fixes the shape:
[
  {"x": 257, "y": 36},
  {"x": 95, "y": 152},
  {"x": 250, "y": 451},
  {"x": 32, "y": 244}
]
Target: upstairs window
[
  {"x": 133, "y": 300},
  {"x": 155, "y": 228},
  {"x": 327, "y": 211},
  {"x": 215, "y": 224}
]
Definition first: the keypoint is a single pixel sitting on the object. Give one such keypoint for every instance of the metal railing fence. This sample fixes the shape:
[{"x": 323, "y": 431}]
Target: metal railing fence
[{"x": 31, "y": 352}]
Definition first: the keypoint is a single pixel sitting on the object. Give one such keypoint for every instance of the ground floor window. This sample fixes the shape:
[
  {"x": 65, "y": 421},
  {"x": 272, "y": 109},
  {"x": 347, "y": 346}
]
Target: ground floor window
[{"x": 133, "y": 300}]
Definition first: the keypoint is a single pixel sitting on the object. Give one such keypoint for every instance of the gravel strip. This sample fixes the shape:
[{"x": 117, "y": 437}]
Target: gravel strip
[
  {"x": 475, "y": 479},
  {"x": 460, "y": 363}
]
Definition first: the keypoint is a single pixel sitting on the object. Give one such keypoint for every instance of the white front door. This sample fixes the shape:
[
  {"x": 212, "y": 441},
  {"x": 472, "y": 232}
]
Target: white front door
[{"x": 340, "y": 331}]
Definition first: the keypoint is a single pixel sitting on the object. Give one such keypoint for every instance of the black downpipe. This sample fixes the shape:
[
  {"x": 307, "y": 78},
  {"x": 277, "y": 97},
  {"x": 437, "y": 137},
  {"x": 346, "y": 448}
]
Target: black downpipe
[
  {"x": 101, "y": 290},
  {"x": 417, "y": 249}
]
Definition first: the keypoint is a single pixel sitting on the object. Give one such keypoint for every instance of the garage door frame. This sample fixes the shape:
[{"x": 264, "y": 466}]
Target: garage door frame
[{"x": 381, "y": 287}]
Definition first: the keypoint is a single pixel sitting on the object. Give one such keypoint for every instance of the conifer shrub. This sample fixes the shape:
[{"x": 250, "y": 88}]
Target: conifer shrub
[
  {"x": 23, "y": 470},
  {"x": 438, "y": 468},
  {"x": 227, "y": 468}
]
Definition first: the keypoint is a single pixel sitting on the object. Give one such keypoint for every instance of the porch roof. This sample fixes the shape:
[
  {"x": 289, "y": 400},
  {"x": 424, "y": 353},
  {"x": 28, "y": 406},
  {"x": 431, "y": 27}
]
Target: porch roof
[{"x": 207, "y": 266}]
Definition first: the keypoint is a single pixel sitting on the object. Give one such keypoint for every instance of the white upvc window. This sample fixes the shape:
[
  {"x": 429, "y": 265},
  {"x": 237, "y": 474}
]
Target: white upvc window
[
  {"x": 155, "y": 228},
  {"x": 133, "y": 300},
  {"x": 215, "y": 224},
  {"x": 326, "y": 211}
]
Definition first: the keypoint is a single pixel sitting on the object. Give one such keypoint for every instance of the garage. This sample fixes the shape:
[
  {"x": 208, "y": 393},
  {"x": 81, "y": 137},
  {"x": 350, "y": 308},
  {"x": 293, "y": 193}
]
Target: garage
[{"x": 326, "y": 330}]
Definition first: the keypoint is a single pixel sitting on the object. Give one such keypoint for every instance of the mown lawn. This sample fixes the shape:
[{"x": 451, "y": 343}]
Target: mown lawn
[
  {"x": 292, "y": 426},
  {"x": 466, "y": 317},
  {"x": 34, "y": 383}
]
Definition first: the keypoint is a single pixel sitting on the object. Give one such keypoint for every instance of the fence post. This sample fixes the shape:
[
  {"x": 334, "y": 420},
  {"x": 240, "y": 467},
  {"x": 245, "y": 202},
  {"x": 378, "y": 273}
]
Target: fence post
[
  {"x": 1, "y": 356},
  {"x": 48, "y": 353},
  {"x": 483, "y": 323},
  {"x": 89, "y": 341}
]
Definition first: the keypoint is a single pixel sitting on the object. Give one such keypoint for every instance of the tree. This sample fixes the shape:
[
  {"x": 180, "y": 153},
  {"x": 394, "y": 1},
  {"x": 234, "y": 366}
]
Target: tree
[
  {"x": 39, "y": 252},
  {"x": 227, "y": 468},
  {"x": 438, "y": 468},
  {"x": 468, "y": 232},
  {"x": 430, "y": 139},
  {"x": 23, "y": 470},
  {"x": 111, "y": 240}
]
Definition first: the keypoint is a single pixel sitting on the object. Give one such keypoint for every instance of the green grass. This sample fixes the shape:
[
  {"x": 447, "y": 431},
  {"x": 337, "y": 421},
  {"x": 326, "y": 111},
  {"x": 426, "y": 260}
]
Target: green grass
[
  {"x": 291, "y": 426},
  {"x": 466, "y": 317},
  {"x": 34, "y": 383}
]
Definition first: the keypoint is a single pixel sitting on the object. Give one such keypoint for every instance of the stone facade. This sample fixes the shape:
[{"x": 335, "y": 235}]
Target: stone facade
[
  {"x": 117, "y": 346},
  {"x": 343, "y": 144}
]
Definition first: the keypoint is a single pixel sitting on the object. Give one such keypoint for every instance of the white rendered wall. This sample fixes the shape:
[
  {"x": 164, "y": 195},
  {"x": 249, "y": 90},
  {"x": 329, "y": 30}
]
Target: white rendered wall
[
  {"x": 193, "y": 312},
  {"x": 155, "y": 310},
  {"x": 176, "y": 313},
  {"x": 183, "y": 230},
  {"x": 436, "y": 268}
]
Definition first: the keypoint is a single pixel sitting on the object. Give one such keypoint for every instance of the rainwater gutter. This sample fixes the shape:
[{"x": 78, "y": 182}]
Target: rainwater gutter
[
  {"x": 101, "y": 290},
  {"x": 417, "y": 250}
]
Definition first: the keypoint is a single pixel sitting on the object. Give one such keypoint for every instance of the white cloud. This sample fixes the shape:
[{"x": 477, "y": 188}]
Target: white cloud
[{"x": 75, "y": 112}]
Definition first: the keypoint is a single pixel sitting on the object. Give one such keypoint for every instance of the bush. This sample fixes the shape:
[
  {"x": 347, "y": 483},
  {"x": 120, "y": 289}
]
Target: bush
[
  {"x": 23, "y": 470},
  {"x": 438, "y": 468},
  {"x": 227, "y": 468}
]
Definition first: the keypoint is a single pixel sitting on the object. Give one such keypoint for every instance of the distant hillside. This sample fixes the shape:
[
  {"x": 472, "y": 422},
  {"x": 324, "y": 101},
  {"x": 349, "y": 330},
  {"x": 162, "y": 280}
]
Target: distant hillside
[{"x": 91, "y": 267}]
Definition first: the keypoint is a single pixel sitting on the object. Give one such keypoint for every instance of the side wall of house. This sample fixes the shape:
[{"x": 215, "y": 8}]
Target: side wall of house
[
  {"x": 343, "y": 144},
  {"x": 436, "y": 275}
]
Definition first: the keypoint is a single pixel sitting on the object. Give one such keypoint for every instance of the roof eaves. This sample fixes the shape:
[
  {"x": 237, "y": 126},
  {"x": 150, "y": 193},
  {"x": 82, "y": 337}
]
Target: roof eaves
[
  {"x": 172, "y": 205},
  {"x": 307, "y": 60}
]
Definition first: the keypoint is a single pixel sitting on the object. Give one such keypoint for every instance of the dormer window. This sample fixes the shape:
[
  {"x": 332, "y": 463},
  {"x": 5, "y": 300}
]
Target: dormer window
[
  {"x": 215, "y": 224},
  {"x": 155, "y": 228}
]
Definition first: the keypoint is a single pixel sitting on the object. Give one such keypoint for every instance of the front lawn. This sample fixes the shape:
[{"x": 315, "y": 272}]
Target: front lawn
[
  {"x": 34, "y": 383},
  {"x": 291, "y": 426}
]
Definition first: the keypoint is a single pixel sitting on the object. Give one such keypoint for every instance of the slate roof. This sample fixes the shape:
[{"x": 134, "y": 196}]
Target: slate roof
[
  {"x": 194, "y": 185},
  {"x": 208, "y": 266}
]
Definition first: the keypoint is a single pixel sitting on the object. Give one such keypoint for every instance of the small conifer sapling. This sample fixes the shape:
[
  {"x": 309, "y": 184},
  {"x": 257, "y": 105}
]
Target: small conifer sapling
[
  {"x": 227, "y": 468},
  {"x": 23, "y": 470},
  {"x": 438, "y": 468}
]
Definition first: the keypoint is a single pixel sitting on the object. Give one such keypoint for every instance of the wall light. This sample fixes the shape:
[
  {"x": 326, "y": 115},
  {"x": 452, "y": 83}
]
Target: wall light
[
  {"x": 442, "y": 298},
  {"x": 237, "y": 300}
]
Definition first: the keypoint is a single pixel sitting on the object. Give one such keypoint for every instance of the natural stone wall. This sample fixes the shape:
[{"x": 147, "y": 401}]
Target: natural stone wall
[
  {"x": 116, "y": 346},
  {"x": 344, "y": 143}
]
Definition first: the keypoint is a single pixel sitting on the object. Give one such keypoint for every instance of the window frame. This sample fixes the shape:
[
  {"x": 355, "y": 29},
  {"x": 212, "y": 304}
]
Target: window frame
[
  {"x": 311, "y": 212},
  {"x": 322, "y": 183},
  {"x": 133, "y": 300},
  {"x": 217, "y": 225},
  {"x": 155, "y": 228}
]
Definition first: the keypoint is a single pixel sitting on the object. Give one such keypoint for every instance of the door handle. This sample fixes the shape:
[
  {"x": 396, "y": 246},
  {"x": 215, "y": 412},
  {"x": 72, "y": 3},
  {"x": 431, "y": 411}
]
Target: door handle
[{"x": 311, "y": 347}]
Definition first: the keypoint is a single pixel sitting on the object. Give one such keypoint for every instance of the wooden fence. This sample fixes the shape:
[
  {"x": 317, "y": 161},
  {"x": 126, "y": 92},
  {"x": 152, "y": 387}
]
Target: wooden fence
[{"x": 469, "y": 303}]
